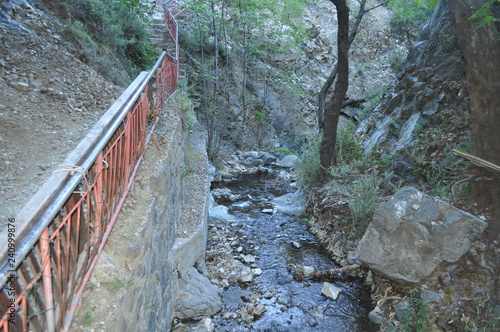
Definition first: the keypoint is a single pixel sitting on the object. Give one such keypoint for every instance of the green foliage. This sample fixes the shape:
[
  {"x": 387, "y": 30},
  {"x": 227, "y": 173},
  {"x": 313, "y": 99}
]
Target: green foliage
[
  {"x": 364, "y": 203},
  {"x": 309, "y": 168},
  {"x": 440, "y": 173},
  {"x": 485, "y": 16},
  {"x": 373, "y": 100},
  {"x": 111, "y": 32},
  {"x": 348, "y": 146},
  {"x": 183, "y": 102},
  {"x": 409, "y": 16},
  {"x": 120, "y": 283},
  {"x": 417, "y": 318},
  {"x": 261, "y": 116},
  {"x": 88, "y": 317},
  {"x": 274, "y": 149}
]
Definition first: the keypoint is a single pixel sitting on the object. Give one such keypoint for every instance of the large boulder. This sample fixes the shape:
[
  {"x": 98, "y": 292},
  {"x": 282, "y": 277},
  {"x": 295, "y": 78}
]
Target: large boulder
[
  {"x": 196, "y": 297},
  {"x": 412, "y": 233}
]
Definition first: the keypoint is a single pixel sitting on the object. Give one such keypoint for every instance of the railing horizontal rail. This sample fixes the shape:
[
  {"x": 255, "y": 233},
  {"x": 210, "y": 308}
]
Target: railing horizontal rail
[{"x": 54, "y": 243}]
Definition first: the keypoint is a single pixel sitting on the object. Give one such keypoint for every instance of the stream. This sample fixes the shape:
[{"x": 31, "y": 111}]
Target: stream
[{"x": 273, "y": 300}]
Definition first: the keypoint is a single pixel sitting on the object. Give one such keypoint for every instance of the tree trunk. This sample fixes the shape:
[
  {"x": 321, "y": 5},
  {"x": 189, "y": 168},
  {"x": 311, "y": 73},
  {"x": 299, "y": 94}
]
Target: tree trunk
[
  {"x": 329, "y": 81},
  {"x": 333, "y": 107},
  {"x": 481, "y": 49}
]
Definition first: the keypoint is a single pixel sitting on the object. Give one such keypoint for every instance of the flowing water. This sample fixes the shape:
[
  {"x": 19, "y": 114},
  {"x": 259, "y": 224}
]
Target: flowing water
[{"x": 290, "y": 305}]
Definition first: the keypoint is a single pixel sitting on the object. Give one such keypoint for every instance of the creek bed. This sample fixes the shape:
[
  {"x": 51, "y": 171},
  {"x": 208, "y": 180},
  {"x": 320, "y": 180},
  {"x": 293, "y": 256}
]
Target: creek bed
[{"x": 289, "y": 305}]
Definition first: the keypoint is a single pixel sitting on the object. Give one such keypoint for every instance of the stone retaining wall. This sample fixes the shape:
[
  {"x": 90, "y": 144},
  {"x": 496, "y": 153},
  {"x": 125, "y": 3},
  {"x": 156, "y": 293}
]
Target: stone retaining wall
[{"x": 172, "y": 237}]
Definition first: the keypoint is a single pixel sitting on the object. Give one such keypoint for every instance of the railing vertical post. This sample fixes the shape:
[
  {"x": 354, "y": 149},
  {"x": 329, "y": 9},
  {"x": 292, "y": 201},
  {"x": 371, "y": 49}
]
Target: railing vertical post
[
  {"x": 128, "y": 146},
  {"x": 98, "y": 198},
  {"x": 47, "y": 281}
]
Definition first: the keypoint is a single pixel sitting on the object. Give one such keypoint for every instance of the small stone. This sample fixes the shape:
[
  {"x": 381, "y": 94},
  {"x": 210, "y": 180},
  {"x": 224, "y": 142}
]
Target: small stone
[
  {"x": 248, "y": 259},
  {"x": 330, "y": 291},
  {"x": 205, "y": 325},
  {"x": 376, "y": 318},
  {"x": 402, "y": 308},
  {"x": 257, "y": 310},
  {"x": 257, "y": 271},
  {"x": 296, "y": 244},
  {"x": 352, "y": 259},
  {"x": 21, "y": 86},
  {"x": 445, "y": 278},
  {"x": 429, "y": 296},
  {"x": 246, "y": 278},
  {"x": 239, "y": 249},
  {"x": 268, "y": 211},
  {"x": 308, "y": 271},
  {"x": 268, "y": 295}
]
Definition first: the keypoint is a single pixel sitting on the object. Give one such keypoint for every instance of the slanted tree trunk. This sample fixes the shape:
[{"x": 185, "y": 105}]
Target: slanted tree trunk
[
  {"x": 333, "y": 107},
  {"x": 481, "y": 49},
  {"x": 331, "y": 78}
]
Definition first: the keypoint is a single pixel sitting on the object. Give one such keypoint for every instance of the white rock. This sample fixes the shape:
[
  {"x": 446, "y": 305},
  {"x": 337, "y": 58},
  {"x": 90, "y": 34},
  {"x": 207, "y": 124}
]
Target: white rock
[
  {"x": 296, "y": 244},
  {"x": 330, "y": 291},
  {"x": 246, "y": 278},
  {"x": 257, "y": 271},
  {"x": 308, "y": 271},
  {"x": 248, "y": 259}
]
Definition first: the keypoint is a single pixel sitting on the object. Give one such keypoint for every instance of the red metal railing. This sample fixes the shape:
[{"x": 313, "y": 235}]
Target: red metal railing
[{"x": 61, "y": 232}]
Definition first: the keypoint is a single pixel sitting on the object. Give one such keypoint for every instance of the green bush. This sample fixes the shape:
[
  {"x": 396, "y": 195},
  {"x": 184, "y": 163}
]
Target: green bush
[
  {"x": 111, "y": 35},
  {"x": 409, "y": 16},
  {"x": 184, "y": 103},
  {"x": 364, "y": 203},
  {"x": 348, "y": 147},
  {"x": 417, "y": 318},
  {"x": 309, "y": 167}
]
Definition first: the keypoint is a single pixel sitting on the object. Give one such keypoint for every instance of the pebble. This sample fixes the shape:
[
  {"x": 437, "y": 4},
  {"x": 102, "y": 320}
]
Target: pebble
[
  {"x": 248, "y": 258},
  {"x": 257, "y": 271},
  {"x": 296, "y": 244},
  {"x": 308, "y": 271},
  {"x": 376, "y": 318},
  {"x": 330, "y": 291}
]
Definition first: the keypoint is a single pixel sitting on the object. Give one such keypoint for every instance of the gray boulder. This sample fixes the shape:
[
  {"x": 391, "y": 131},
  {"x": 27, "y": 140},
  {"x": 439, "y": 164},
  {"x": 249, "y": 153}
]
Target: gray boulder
[
  {"x": 288, "y": 161},
  {"x": 196, "y": 297},
  {"x": 267, "y": 158},
  {"x": 292, "y": 204},
  {"x": 412, "y": 233}
]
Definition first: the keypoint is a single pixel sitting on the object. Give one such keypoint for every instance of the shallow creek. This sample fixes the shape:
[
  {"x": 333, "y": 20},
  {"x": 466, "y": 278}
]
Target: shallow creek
[{"x": 290, "y": 305}]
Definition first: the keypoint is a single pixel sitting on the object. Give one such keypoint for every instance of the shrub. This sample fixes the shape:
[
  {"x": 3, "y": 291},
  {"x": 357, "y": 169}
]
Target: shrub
[
  {"x": 184, "y": 103},
  {"x": 348, "y": 147},
  {"x": 409, "y": 16},
  {"x": 113, "y": 30},
  {"x": 309, "y": 167},
  {"x": 417, "y": 318},
  {"x": 364, "y": 203}
]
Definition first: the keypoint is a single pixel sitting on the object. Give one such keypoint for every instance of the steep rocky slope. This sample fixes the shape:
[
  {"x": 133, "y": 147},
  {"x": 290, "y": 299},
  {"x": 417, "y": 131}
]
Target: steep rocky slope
[{"x": 49, "y": 100}]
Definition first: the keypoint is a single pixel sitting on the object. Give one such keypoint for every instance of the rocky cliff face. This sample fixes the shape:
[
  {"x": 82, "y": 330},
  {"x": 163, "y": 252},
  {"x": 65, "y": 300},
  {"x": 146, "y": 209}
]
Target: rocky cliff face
[{"x": 431, "y": 78}]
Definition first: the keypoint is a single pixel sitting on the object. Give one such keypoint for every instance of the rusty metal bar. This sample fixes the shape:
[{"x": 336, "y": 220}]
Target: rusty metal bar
[{"x": 47, "y": 282}]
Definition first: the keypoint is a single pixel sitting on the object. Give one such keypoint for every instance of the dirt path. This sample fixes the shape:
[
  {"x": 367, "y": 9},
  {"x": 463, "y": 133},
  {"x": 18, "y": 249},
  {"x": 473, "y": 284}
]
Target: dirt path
[{"x": 49, "y": 100}]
